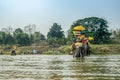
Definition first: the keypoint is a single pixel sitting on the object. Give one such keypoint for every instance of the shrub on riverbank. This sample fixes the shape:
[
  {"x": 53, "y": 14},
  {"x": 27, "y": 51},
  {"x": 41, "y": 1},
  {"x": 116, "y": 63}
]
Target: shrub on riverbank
[{"x": 64, "y": 49}]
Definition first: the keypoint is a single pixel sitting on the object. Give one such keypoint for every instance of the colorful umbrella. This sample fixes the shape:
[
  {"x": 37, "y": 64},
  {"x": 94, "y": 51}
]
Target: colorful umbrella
[{"x": 78, "y": 28}]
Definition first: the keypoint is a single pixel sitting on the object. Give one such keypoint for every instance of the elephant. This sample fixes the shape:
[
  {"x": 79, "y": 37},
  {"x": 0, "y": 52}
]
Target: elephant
[
  {"x": 78, "y": 52},
  {"x": 81, "y": 51}
]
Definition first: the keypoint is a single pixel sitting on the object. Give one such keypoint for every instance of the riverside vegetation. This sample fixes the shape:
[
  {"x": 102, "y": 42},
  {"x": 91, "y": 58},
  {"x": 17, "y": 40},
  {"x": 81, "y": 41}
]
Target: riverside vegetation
[
  {"x": 95, "y": 49},
  {"x": 28, "y": 39}
]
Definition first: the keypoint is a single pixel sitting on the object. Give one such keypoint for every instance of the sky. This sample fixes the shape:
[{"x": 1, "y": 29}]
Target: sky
[{"x": 43, "y": 13}]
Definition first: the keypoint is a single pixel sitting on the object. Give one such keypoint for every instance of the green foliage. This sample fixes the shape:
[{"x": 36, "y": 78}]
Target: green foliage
[
  {"x": 64, "y": 49},
  {"x": 56, "y": 42},
  {"x": 56, "y": 36},
  {"x": 30, "y": 29},
  {"x": 38, "y": 37},
  {"x": 9, "y": 39},
  {"x": 22, "y": 39},
  {"x": 6, "y": 47},
  {"x": 96, "y": 27},
  {"x": 2, "y": 37},
  {"x": 55, "y": 31},
  {"x": 6, "y": 38},
  {"x": 50, "y": 52},
  {"x": 18, "y": 31}
]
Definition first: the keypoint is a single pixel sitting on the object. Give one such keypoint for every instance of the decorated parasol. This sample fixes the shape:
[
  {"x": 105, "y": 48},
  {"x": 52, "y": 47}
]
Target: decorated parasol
[{"x": 78, "y": 28}]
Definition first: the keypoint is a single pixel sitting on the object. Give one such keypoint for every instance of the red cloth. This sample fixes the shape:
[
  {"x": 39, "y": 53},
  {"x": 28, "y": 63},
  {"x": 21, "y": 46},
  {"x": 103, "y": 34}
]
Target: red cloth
[{"x": 85, "y": 40}]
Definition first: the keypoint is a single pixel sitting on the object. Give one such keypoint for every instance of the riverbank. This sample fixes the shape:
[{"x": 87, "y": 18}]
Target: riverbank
[
  {"x": 106, "y": 49},
  {"x": 98, "y": 49},
  {"x": 95, "y": 49}
]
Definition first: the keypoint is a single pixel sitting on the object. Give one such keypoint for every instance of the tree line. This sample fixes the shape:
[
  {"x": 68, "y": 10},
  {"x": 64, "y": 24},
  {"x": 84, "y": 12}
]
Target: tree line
[
  {"x": 21, "y": 37},
  {"x": 95, "y": 27}
]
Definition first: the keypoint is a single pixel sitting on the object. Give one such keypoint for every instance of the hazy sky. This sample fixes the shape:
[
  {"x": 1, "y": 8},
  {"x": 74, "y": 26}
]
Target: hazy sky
[{"x": 43, "y": 13}]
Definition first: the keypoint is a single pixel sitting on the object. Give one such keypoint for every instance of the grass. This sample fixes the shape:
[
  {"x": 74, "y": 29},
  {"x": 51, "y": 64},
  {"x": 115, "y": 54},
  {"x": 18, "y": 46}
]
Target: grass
[
  {"x": 95, "y": 49},
  {"x": 105, "y": 49}
]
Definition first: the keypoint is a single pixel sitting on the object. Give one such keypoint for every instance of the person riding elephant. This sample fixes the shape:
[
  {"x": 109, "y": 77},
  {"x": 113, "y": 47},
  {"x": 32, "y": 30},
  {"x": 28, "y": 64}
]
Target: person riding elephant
[
  {"x": 86, "y": 49},
  {"x": 13, "y": 52}
]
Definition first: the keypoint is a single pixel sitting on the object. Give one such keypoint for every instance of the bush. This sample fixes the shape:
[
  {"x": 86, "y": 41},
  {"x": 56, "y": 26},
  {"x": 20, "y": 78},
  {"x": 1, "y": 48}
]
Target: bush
[
  {"x": 7, "y": 47},
  {"x": 49, "y": 52},
  {"x": 64, "y": 49}
]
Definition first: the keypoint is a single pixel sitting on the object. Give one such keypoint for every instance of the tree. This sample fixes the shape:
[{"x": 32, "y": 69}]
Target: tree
[
  {"x": 30, "y": 29},
  {"x": 2, "y": 37},
  {"x": 9, "y": 39},
  {"x": 38, "y": 37},
  {"x": 6, "y": 38},
  {"x": 23, "y": 39},
  {"x": 18, "y": 31},
  {"x": 8, "y": 30},
  {"x": 55, "y": 31},
  {"x": 96, "y": 27},
  {"x": 42, "y": 37},
  {"x": 55, "y": 36}
]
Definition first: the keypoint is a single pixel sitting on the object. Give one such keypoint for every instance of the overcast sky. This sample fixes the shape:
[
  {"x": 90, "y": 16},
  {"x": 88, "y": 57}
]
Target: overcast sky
[{"x": 43, "y": 13}]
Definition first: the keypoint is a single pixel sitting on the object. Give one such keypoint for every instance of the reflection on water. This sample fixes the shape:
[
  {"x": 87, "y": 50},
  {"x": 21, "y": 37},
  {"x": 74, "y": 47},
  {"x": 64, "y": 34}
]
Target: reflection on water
[{"x": 59, "y": 67}]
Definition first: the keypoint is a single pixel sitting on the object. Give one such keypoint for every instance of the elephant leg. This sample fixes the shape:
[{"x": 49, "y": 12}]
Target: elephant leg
[
  {"x": 88, "y": 51},
  {"x": 73, "y": 51},
  {"x": 85, "y": 51},
  {"x": 74, "y": 54},
  {"x": 81, "y": 52},
  {"x": 77, "y": 52}
]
